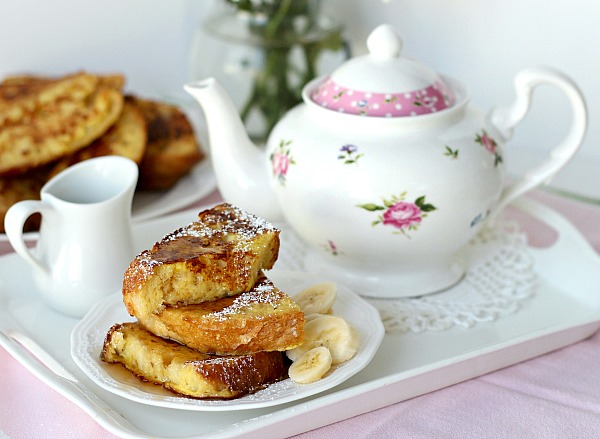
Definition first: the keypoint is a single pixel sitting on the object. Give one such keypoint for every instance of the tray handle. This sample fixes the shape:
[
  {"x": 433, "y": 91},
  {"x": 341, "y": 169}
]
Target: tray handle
[
  {"x": 568, "y": 235},
  {"x": 41, "y": 364}
]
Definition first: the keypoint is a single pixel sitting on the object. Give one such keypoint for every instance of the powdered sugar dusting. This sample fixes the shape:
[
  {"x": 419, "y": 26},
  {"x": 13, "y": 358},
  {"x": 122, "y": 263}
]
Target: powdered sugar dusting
[
  {"x": 264, "y": 292},
  {"x": 222, "y": 226},
  {"x": 225, "y": 219}
]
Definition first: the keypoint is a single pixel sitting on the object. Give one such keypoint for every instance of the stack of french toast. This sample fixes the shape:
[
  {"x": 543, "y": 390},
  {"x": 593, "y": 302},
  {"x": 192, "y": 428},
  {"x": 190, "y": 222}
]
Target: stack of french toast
[
  {"x": 210, "y": 324},
  {"x": 50, "y": 123}
]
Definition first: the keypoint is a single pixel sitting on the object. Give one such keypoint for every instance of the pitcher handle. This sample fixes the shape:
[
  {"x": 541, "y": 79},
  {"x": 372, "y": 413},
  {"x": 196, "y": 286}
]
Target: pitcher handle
[
  {"x": 504, "y": 120},
  {"x": 15, "y": 219}
]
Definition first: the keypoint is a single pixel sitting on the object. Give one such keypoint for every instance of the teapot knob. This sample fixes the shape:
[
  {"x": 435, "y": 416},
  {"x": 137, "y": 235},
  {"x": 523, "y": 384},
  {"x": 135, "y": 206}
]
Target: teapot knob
[{"x": 384, "y": 42}]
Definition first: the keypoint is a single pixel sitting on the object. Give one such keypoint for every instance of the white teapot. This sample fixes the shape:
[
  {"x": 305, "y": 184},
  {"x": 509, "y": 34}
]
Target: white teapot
[{"x": 385, "y": 169}]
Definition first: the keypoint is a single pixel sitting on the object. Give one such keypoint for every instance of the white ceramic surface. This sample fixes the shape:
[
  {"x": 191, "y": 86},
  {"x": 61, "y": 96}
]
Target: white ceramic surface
[
  {"x": 88, "y": 336},
  {"x": 389, "y": 201},
  {"x": 565, "y": 309},
  {"x": 85, "y": 233},
  {"x": 384, "y": 69},
  {"x": 194, "y": 186}
]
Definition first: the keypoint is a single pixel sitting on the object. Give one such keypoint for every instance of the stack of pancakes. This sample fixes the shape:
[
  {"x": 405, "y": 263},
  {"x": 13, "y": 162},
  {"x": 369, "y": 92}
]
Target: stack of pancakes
[
  {"x": 47, "y": 124},
  {"x": 209, "y": 324}
]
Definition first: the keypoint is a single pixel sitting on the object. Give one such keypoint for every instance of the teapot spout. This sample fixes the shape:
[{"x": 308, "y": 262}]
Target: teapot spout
[{"x": 239, "y": 165}]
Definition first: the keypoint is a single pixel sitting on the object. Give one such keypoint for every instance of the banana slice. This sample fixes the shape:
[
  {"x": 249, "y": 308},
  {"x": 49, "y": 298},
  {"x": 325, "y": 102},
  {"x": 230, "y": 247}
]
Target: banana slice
[
  {"x": 330, "y": 331},
  {"x": 311, "y": 365},
  {"x": 309, "y": 317},
  {"x": 317, "y": 299}
]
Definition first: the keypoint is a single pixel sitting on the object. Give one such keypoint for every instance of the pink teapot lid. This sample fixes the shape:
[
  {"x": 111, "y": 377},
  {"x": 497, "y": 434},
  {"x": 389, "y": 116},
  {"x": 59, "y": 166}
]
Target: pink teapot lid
[{"x": 382, "y": 83}]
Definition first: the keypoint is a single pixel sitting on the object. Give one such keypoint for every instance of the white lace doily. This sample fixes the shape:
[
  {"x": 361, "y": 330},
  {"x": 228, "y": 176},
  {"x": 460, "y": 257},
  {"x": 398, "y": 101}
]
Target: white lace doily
[{"x": 500, "y": 277}]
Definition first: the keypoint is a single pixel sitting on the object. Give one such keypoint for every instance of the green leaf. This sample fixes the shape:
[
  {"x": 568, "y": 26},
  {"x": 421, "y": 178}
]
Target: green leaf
[
  {"x": 451, "y": 152},
  {"x": 427, "y": 207},
  {"x": 419, "y": 201},
  {"x": 371, "y": 207}
]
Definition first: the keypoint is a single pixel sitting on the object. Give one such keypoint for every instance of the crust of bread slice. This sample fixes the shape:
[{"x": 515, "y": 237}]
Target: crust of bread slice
[
  {"x": 42, "y": 121},
  {"x": 126, "y": 138},
  {"x": 172, "y": 149},
  {"x": 186, "y": 371},
  {"x": 222, "y": 254},
  {"x": 262, "y": 319}
]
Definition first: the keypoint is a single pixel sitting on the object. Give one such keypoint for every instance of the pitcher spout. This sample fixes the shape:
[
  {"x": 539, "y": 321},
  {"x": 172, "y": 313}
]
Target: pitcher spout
[{"x": 240, "y": 166}]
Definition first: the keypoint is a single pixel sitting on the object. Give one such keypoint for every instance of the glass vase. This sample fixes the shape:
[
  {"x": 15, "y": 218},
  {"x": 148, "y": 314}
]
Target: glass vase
[{"x": 263, "y": 53}]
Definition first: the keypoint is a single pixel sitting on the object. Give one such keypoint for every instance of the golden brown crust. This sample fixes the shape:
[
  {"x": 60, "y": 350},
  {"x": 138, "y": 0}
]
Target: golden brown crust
[
  {"x": 263, "y": 319},
  {"x": 116, "y": 80},
  {"x": 126, "y": 138},
  {"x": 222, "y": 254},
  {"x": 44, "y": 120},
  {"x": 19, "y": 188},
  {"x": 172, "y": 148},
  {"x": 48, "y": 123},
  {"x": 187, "y": 371}
]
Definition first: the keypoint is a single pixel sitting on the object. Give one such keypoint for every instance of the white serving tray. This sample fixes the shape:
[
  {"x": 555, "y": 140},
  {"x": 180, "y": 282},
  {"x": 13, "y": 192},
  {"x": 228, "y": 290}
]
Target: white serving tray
[{"x": 565, "y": 309}]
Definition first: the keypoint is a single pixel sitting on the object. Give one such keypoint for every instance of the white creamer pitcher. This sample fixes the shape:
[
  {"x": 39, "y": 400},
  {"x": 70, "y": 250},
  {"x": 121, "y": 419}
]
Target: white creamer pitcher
[{"x": 85, "y": 242}]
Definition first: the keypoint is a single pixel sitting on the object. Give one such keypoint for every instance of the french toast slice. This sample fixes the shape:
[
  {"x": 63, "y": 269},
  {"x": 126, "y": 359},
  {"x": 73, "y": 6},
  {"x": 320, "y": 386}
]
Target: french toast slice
[
  {"x": 262, "y": 319},
  {"x": 186, "y": 371},
  {"x": 221, "y": 254},
  {"x": 125, "y": 138},
  {"x": 172, "y": 149},
  {"x": 116, "y": 81},
  {"x": 44, "y": 120}
]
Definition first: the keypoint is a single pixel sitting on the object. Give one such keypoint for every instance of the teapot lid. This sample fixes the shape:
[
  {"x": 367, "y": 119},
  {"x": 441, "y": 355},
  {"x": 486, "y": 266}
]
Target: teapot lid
[{"x": 382, "y": 83}]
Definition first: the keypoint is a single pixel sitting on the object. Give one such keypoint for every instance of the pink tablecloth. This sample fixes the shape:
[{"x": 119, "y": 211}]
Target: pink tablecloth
[{"x": 553, "y": 396}]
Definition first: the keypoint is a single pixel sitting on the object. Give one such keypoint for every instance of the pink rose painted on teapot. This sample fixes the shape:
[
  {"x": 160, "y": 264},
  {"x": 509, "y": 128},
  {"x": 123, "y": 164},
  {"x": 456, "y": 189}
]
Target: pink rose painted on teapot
[
  {"x": 281, "y": 161},
  {"x": 402, "y": 215}
]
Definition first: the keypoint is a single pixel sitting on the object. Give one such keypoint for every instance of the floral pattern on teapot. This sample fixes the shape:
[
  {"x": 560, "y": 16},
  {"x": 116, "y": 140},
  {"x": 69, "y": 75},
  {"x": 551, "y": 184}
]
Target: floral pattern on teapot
[
  {"x": 281, "y": 159},
  {"x": 331, "y": 248},
  {"x": 485, "y": 140},
  {"x": 479, "y": 218},
  {"x": 349, "y": 154},
  {"x": 402, "y": 215},
  {"x": 434, "y": 98},
  {"x": 452, "y": 153}
]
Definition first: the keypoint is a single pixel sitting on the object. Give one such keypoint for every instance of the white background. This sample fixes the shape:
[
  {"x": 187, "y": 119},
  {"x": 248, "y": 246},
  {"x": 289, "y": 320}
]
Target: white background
[{"x": 483, "y": 43}]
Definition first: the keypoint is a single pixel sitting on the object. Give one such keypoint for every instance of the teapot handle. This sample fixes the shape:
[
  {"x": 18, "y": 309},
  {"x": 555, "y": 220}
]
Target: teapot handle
[{"x": 504, "y": 120}]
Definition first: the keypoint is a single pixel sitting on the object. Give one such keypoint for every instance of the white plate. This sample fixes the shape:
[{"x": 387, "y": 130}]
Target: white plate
[
  {"x": 88, "y": 336},
  {"x": 200, "y": 182}
]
